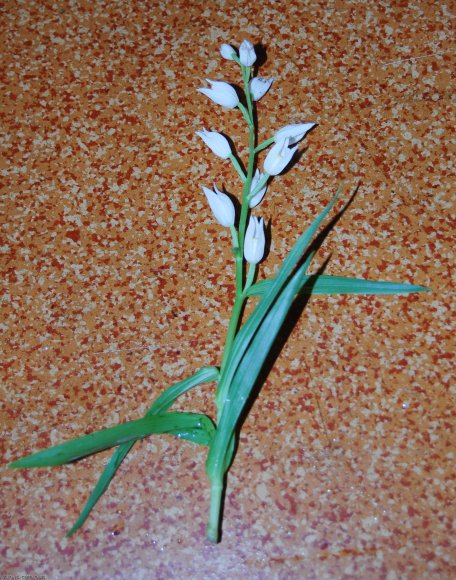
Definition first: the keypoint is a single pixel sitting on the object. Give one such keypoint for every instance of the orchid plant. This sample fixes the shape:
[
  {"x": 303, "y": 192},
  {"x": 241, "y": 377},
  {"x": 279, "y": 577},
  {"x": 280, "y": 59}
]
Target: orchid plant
[{"x": 247, "y": 345}]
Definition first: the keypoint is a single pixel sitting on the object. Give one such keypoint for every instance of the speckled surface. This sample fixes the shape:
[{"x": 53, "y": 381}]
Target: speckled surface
[{"x": 118, "y": 282}]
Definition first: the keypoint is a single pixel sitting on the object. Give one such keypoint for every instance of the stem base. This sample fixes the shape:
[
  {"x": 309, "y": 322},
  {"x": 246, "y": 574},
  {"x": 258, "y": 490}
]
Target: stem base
[{"x": 213, "y": 528}]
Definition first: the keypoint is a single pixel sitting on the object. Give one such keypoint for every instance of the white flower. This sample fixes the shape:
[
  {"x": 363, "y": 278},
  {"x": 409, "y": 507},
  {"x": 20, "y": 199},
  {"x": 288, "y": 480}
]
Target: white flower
[
  {"x": 295, "y": 132},
  {"x": 221, "y": 93},
  {"x": 278, "y": 157},
  {"x": 226, "y": 50},
  {"x": 259, "y": 87},
  {"x": 221, "y": 205},
  {"x": 256, "y": 199},
  {"x": 254, "y": 241},
  {"x": 216, "y": 142},
  {"x": 247, "y": 54}
]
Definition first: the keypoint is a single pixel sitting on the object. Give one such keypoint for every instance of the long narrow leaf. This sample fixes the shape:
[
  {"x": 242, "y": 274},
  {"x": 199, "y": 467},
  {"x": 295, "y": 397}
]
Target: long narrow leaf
[
  {"x": 247, "y": 373},
  {"x": 193, "y": 425},
  {"x": 169, "y": 396},
  {"x": 325, "y": 284},
  {"x": 247, "y": 332},
  {"x": 101, "y": 485},
  {"x": 162, "y": 404}
]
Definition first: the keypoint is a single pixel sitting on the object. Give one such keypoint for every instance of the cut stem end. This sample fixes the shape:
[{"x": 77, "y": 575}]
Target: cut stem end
[{"x": 213, "y": 528}]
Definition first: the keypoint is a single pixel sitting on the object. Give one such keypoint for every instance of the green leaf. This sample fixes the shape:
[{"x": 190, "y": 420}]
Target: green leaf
[
  {"x": 246, "y": 375},
  {"x": 325, "y": 284},
  {"x": 246, "y": 333},
  {"x": 194, "y": 426},
  {"x": 201, "y": 433},
  {"x": 162, "y": 404},
  {"x": 102, "y": 485},
  {"x": 169, "y": 396}
]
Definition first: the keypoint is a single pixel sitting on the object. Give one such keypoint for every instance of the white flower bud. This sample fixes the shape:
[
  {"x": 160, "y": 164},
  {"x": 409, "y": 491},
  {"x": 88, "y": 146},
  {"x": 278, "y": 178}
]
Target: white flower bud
[
  {"x": 294, "y": 132},
  {"x": 221, "y": 206},
  {"x": 221, "y": 93},
  {"x": 278, "y": 157},
  {"x": 227, "y": 51},
  {"x": 254, "y": 241},
  {"x": 259, "y": 87},
  {"x": 247, "y": 54},
  {"x": 257, "y": 198},
  {"x": 216, "y": 142}
]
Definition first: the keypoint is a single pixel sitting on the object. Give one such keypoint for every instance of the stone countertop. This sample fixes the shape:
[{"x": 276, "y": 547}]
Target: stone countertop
[{"x": 118, "y": 282}]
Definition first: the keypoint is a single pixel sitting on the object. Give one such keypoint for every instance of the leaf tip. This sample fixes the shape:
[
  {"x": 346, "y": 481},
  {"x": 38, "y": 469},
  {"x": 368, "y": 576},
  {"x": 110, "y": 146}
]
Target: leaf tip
[
  {"x": 411, "y": 288},
  {"x": 16, "y": 464}
]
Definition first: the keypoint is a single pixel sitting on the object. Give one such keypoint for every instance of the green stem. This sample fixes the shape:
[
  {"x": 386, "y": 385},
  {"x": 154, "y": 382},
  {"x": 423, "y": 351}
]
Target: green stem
[
  {"x": 243, "y": 222},
  {"x": 237, "y": 308},
  {"x": 251, "y": 163},
  {"x": 241, "y": 296},
  {"x": 214, "y": 514}
]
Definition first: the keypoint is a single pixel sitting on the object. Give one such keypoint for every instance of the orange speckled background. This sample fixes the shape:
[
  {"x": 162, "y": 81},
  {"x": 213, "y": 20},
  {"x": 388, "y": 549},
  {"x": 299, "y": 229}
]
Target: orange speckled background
[{"x": 118, "y": 282}]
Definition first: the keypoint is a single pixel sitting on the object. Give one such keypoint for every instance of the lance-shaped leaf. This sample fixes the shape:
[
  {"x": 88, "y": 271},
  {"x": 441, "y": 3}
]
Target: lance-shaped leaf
[
  {"x": 246, "y": 375},
  {"x": 248, "y": 330},
  {"x": 162, "y": 404},
  {"x": 325, "y": 284},
  {"x": 193, "y": 426}
]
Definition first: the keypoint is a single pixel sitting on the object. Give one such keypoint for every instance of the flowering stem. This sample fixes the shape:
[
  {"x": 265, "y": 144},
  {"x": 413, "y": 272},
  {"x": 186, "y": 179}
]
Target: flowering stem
[
  {"x": 241, "y": 293},
  {"x": 248, "y": 181},
  {"x": 242, "y": 223},
  {"x": 238, "y": 249}
]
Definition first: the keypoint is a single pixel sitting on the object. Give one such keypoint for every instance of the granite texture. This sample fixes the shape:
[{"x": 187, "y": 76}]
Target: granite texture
[{"x": 117, "y": 282}]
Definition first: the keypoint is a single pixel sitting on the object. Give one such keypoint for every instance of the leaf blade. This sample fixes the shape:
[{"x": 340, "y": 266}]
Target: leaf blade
[
  {"x": 174, "y": 423},
  {"x": 248, "y": 330},
  {"x": 163, "y": 403},
  {"x": 246, "y": 374},
  {"x": 326, "y": 284}
]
